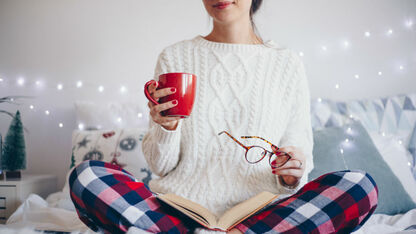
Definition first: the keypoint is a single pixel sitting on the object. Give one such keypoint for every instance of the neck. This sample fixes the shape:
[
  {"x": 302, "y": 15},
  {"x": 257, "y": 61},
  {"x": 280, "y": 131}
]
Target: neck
[{"x": 241, "y": 32}]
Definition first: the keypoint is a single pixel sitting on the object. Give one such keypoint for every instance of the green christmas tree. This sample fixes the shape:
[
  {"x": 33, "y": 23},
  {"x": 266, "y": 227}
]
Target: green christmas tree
[
  {"x": 14, "y": 152},
  {"x": 72, "y": 159}
]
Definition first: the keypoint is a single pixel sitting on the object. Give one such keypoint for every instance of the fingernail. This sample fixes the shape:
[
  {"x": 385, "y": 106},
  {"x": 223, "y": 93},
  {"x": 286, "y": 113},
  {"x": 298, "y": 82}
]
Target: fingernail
[
  {"x": 173, "y": 90},
  {"x": 174, "y": 102}
]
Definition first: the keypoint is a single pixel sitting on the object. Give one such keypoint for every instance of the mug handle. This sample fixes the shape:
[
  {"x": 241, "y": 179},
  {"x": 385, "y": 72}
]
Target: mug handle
[{"x": 146, "y": 92}]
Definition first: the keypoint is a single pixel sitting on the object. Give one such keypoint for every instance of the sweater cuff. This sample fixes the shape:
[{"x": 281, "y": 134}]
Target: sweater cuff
[
  {"x": 164, "y": 136},
  {"x": 291, "y": 189}
]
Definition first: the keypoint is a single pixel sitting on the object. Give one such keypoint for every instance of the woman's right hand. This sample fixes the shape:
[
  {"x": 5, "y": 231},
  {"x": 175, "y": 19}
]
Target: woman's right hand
[{"x": 169, "y": 123}]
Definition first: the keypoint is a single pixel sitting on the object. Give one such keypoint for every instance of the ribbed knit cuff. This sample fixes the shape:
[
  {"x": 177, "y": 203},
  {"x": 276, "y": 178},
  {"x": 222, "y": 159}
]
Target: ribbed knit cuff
[{"x": 164, "y": 136}]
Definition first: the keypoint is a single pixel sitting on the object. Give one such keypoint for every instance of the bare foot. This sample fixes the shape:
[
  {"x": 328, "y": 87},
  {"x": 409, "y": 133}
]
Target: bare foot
[{"x": 234, "y": 231}]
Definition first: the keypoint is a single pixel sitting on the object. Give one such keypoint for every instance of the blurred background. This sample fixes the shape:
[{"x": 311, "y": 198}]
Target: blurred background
[{"x": 103, "y": 51}]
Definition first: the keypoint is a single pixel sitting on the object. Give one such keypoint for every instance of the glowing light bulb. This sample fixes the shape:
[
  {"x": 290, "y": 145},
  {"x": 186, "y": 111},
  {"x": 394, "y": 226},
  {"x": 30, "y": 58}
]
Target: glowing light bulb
[
  {"x": 383, "y": 134},
  {"x": 324, "y": 48},
  {"x": 351, "y": 116},
  {"x": 409, "y": 164},
  {"x": 119, "y": 119},
  {"x": 38, "y": 83},
  {"x": 81, "y": 126},
  {"x": 346, "y": 44},
  {"x": 61, "y": 125},
  {"x": 409, "y": 23},
  {"x": 341, "y": 151},
  {"x": 347, "y": 140},
  {"x": 47, "y": 112},
  {"x": 100, "y": 89},
  {"x": 21, "y": 81},
  {"x": 59, "y": 86},
  {"x": 139, "y": 115},
  {"x": 380, "y": 73},
  {"x": 319, "y": 99},
  {"x": 349, "y": 129},
  {"x": 401, "y": 67},
  {"x": 357, "y": 76},
  {"x": 337, "y": 86},
  {"x": 79, "y": 84},
  {"x": 1, "y": 79},
  {"x": 390, "y": 32},
  {"x": 367, "y": 34},
  {"x": 123, "y": 89},
  {"x": 31, "y": 107},
  {"x": 301, "y": 54},
  {"x": 400, "y": 142}
]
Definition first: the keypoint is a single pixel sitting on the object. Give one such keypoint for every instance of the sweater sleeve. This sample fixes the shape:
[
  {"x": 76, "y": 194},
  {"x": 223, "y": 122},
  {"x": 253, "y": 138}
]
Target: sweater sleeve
[
  {"x": 161, "y": 146},
  {"x": 298, "y": 132}
]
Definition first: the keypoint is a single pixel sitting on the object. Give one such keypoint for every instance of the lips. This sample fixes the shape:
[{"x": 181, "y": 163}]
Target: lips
[{"x": 222, "y": 5}]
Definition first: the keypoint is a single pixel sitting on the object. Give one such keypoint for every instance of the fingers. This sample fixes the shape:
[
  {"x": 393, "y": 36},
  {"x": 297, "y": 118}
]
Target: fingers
[
  {"x": 156, "y": 94},
  {"x": 163, "y": 106},
  {"x": 289, "y": 172},
  {"x": 291, "y": 164},
  {"x": 165, "y": 120},
  {"x": 151, "y": 88},
  {"x": 156, "y": 109},
  {"x": 284, "y": 149}
]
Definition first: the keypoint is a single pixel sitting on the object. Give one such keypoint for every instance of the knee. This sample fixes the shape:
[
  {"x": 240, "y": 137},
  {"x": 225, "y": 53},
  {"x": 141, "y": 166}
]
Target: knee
[
  {"x": 77, "y": 174},
  {"x": 364, "y": 183}
]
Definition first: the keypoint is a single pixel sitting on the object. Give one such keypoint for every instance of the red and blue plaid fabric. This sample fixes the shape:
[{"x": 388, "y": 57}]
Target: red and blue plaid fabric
[
  {"x": 109, "y": 199},
  {"x": 336, "y": 202}
]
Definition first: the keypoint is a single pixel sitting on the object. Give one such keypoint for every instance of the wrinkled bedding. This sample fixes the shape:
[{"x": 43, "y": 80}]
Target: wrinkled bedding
[{"x": 57, "y": 213}]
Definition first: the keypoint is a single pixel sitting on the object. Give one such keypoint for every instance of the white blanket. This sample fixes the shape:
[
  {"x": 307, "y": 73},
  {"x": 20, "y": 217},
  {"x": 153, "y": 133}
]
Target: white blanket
[{"x": 57, "y": 213}]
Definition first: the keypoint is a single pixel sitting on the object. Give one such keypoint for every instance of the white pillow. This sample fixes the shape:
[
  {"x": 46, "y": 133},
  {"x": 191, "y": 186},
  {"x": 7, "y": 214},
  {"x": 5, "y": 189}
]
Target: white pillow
[
  {"x": 111, "y": 115},
  {"x": 396, "y": 156}
]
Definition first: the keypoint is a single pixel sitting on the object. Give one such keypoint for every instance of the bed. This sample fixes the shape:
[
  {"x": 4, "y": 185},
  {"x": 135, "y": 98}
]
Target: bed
[{"x": 390, "y": 122}]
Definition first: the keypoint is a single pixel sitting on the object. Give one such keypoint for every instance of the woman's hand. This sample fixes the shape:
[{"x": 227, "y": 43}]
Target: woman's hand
[
  {"x": 169, "y": 123},
  {"x": 292, "y": 171}
]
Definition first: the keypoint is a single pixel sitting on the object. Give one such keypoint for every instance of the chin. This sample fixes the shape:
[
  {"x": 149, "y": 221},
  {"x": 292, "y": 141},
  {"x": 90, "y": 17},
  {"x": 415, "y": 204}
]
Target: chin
[{"x": 224, "y": 18}]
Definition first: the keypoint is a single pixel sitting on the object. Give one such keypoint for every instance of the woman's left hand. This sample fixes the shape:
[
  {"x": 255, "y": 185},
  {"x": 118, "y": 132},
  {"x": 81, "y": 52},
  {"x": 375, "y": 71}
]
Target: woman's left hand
[{"x": 292, "y": 171}]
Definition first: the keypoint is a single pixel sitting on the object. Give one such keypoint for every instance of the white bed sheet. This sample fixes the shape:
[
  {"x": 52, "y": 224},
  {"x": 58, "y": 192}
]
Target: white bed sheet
[{"x": 57, "y": 213}]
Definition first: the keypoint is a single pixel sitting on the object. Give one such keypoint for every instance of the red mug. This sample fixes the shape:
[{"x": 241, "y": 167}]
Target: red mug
[{"x": 185, "y": 84}]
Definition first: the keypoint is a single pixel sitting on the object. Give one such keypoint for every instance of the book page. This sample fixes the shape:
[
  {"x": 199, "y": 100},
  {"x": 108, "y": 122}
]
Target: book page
[
  {"x": 191, "y": 208},
  {"x": 245, "y": 209}
]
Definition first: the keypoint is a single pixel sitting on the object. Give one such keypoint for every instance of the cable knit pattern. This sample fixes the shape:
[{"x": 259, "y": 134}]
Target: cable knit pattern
[{"x": 245, "y": 89}]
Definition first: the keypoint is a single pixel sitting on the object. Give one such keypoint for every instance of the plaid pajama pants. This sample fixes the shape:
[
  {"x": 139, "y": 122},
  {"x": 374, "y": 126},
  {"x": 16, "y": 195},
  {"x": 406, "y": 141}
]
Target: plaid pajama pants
[{"x": 108, "y": 198}]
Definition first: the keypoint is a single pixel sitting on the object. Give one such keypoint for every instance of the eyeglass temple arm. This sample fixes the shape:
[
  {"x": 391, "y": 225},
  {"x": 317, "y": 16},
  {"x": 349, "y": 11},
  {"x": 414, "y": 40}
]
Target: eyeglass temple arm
[
  {"x": 261, "y": 138},
  {"x": 245, "y": 147}
]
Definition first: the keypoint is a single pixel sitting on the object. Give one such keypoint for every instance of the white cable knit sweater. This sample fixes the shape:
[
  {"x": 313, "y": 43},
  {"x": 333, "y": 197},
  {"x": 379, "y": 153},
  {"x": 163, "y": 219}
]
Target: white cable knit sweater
[{"x": 245, "y": 89}]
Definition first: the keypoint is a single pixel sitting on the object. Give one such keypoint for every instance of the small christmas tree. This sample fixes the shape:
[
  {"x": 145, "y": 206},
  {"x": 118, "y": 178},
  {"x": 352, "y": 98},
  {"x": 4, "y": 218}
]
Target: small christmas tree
[
  {"x": 14, "y": 152},
  {"x": 72, "y": 159}
]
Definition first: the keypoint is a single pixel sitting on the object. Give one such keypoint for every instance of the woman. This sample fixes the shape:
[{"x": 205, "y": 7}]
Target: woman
[{"x": 245, "y": 86}]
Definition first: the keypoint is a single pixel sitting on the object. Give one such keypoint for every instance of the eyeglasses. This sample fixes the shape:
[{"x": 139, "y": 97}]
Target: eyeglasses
[{"x": 255, "y": 153}]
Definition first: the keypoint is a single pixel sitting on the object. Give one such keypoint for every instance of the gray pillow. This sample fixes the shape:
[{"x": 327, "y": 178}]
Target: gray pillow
[{"x": 359, "y": 153}]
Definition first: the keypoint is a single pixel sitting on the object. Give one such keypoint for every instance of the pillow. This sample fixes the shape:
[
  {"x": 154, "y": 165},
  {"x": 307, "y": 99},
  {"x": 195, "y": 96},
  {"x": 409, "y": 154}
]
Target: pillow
[
  {"x": 393, "y": 115},
  {"x": 111, "y": 115},
  {"x": 121, "y": 147},
  {"x": 412, "y": 150},
  {"x": 333, "y": 153},
  {"x": 396, "y": 156}
]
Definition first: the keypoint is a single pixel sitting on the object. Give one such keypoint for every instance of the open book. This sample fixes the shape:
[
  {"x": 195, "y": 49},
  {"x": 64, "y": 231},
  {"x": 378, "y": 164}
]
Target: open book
[{"x": 228, "y": 220}]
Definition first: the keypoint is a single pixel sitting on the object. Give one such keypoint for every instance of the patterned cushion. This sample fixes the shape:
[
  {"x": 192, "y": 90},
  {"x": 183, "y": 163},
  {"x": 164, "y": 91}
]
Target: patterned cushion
[
  {"x": 395, "y": 115},
  {"x": 122, "y": 147}
]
